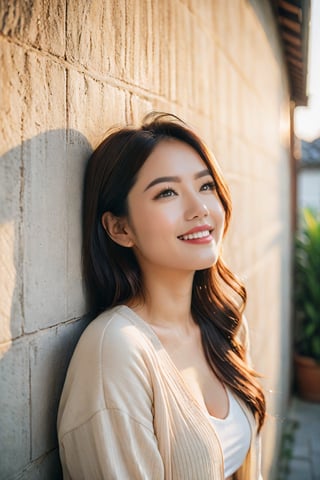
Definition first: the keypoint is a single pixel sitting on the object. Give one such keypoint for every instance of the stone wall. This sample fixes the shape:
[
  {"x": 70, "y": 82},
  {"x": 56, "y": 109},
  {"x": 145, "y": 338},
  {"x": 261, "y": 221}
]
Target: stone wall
[{"x": 69, "y": 70}]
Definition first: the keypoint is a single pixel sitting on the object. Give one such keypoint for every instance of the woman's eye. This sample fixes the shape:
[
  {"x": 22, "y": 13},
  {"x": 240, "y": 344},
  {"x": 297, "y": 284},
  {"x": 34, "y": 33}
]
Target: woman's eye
[
  {"x": 208, "y": 186},
  {"x": 168, "y": 192}
]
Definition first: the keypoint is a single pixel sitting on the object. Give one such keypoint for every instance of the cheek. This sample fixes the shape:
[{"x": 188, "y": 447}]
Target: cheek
[
  {"x": 218, "y": 214},
  {"x": 217, "y": 210},
  {"x": 152, "y": 223},
  {"x": 222, "y": 214}
]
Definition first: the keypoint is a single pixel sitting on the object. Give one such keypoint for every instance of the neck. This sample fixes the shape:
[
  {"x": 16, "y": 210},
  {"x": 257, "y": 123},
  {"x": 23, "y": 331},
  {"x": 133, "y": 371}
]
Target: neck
[{"x": 167, "y": 300}]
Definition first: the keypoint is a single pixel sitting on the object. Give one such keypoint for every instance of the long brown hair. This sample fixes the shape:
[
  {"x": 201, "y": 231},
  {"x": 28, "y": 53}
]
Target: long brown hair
[{"x": 112, "y": 274}]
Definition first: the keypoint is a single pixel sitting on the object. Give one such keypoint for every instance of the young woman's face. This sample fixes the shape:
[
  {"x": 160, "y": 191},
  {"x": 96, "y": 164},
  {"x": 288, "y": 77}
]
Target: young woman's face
[{"x": 175, "y": 218}]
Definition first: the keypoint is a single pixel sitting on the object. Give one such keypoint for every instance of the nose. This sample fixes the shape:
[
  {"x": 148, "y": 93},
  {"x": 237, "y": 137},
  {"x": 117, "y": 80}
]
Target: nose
[{"x": 196, "y": 208}]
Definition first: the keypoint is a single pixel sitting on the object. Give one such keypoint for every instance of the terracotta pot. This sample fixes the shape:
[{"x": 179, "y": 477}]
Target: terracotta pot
[{"x": 308, "y": 378}]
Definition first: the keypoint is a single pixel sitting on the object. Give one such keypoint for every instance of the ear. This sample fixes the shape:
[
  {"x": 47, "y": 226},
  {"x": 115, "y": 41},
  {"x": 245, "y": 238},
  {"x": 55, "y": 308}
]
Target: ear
[{"x": 117, "y": 229}]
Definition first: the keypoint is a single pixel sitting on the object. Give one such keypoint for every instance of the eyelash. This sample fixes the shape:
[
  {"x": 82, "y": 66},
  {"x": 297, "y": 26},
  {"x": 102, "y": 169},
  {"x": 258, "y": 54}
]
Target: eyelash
[
  {"x": 164, "y": 193},
  {"x": 167, "y": 192},
  {"x": 211, "y": 185}
]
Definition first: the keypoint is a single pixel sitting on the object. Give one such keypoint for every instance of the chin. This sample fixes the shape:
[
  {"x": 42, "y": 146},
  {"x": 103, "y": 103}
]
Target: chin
[{"x": 205, "y": 265}]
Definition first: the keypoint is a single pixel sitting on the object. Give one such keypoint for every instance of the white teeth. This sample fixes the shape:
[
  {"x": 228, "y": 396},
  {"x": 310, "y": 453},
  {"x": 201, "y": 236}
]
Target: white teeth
[{"x": 192, "y": 236}]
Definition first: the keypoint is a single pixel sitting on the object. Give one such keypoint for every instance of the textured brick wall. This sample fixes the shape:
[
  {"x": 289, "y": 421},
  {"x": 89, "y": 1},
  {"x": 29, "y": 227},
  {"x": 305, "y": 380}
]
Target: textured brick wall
[{"x": 69, "y": 70}]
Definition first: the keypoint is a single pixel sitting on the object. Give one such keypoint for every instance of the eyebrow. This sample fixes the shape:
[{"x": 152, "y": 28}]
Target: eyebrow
[{"x": 176, "y": 179}]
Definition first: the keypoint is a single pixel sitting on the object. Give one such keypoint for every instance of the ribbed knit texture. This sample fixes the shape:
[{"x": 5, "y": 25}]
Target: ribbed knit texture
[{"x": 127, "y": 414}]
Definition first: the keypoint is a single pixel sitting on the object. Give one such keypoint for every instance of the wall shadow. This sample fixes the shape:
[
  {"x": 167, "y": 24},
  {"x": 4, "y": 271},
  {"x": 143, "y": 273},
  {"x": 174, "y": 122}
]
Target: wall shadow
[{"x": 35, "y": 349}]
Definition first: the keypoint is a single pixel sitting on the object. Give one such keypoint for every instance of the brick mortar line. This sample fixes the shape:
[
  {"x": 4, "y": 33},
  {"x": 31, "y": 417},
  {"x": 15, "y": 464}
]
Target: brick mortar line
[
  {"x": 113, "y": 81},
  {"x": 79, "y": 68},
  {"x": 103, "y": 78},
  {"x": 41, "y": 330},
  {"x": 21, "y": 234},
  {"x": 30, "y": 403},
  {"x": 27, "y": 468}
]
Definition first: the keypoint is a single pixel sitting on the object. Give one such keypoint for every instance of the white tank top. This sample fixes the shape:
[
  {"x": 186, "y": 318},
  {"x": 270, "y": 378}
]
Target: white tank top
[{"x": 234, "y": 435}]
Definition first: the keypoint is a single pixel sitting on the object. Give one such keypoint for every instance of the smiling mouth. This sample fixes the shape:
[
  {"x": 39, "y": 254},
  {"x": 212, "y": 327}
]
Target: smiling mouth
[{"x": 195, "y": 235}]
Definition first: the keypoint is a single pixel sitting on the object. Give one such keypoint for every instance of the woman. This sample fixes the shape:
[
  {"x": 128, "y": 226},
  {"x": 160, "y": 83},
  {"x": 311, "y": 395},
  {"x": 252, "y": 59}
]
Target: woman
[{"x": 159, "y": 386}]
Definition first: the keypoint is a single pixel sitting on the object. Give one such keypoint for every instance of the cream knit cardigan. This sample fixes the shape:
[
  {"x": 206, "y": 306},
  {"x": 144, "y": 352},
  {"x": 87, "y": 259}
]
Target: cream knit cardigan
[{"x": 127, "y": 414}]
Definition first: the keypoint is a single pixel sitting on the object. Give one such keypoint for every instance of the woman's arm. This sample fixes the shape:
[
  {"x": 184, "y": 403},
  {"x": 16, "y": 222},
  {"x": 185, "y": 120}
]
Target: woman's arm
[
  {"x": 111, "y": 445},
  {"x": 106, "y": 419}
]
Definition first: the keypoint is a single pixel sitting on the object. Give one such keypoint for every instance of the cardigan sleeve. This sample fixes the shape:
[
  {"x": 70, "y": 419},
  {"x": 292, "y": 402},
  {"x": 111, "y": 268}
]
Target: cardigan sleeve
[
  {"x": 118, "y": 440},
  {"x": 111, "y": 445}
]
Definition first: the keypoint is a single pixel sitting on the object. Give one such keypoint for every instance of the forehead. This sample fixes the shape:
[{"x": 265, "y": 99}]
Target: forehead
[{"x": 172, "y": 157}]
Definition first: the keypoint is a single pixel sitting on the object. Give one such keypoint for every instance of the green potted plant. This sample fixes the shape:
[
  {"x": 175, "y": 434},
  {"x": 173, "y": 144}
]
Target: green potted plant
[{"x": 307, "y": 306}]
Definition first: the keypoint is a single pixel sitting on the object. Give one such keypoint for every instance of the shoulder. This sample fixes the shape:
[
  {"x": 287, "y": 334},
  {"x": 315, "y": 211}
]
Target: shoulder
[
  {"x": 112, "y": 347},
  {"x": 115, "y": 330},
  {"x": 124, "y": 360},
  {"x": 118, "y": 345},
  {"x": 113, "y": 357}
]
